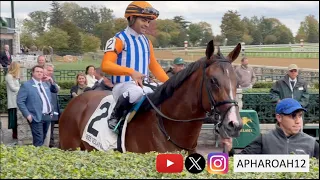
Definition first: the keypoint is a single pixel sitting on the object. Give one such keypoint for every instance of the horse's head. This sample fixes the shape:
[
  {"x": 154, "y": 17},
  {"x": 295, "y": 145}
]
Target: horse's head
[{"x": 219, "y": 91}]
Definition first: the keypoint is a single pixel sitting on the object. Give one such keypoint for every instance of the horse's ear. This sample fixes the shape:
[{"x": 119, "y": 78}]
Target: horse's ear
[
  {"x": 233, "y": 55},
  {"x": 210, "y": 49}
]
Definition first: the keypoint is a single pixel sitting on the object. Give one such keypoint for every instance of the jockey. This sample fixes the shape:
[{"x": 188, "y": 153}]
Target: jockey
[{"x": 128, "y": 56}]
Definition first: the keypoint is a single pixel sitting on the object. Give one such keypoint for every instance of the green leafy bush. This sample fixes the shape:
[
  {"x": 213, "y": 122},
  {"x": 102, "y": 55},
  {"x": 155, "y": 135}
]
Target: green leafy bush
[
  {"x": 263, "y": 85},
  {"x": 42, "y": 162},
  {"x": 3, "y": 97},
  {"x": 66, "y": 84}
]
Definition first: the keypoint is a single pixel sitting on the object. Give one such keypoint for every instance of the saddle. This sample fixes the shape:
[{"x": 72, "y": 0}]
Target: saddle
[{"x": 130, "y": 114}]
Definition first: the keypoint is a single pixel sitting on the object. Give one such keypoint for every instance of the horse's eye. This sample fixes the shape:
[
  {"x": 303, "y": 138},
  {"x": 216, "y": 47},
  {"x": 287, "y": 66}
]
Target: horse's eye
[{"x": 214, "y": 81}]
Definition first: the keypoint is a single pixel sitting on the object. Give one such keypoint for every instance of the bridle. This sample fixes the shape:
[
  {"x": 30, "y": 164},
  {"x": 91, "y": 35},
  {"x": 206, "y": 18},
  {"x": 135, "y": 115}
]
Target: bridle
[{"x": 212, "y": 114}]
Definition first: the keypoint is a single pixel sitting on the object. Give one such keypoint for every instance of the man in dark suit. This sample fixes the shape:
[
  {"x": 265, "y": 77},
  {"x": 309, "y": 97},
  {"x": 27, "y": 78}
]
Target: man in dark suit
[
  {"x": 103, "y": 82},
  {"x": 34, "y": 102},
  {"x": 50, "y": 80},
  {"x": 5, "y": 58}
]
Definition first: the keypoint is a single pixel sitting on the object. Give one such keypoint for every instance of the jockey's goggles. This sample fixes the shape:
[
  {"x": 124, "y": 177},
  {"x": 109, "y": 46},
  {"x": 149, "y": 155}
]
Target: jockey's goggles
[{"x": 146, "y": 11}]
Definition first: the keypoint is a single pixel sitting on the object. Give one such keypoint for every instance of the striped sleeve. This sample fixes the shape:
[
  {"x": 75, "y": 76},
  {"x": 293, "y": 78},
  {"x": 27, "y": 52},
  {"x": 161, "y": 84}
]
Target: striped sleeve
[
  {"x": 155, "y": 67},
  {"x": 108, "y": 64}
]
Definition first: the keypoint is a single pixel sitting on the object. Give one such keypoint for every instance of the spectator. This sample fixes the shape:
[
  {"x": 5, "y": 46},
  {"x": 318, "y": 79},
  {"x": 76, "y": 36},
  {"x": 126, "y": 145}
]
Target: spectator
[
  {"x": 291, "y": 86},
  {"x": 5, "y": 58},
  {"x": 49, "y": 79},
  {"x": 41, "y": 60},
  {"x": 178, "y": 65},
  {"x": 13, "y": 86},
  {"x": 102, "y": 83},
  {"x": 245, "y": 75},
  {"x": 287, "y": 137},
  {"x": 34, "y": 101},
  {"x": 90, "y": 75},
  {"x": 81, "y": 85}
]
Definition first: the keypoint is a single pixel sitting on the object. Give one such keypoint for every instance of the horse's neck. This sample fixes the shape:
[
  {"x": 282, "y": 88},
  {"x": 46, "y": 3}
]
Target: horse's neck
[{"x": 184, "y": 105}]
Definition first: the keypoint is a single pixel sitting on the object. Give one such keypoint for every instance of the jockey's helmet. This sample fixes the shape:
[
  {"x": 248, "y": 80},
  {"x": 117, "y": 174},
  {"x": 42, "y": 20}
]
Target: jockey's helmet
[{"x": 141, "y": 9}]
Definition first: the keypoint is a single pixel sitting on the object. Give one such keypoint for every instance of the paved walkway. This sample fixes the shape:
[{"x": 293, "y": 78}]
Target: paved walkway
[{"x": 6, "y": 133}]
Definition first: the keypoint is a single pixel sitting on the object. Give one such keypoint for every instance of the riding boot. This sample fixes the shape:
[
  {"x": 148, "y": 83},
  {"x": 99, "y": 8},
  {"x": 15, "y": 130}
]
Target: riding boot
[{"x": 121, "y": 108}]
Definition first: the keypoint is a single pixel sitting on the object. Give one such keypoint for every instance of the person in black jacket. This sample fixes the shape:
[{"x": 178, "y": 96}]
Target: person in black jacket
[
  {"x": 80, "y": 87},
  {"x": 102, "y": 83},
  {"x": 287, "y": 137},
  {"x": 5, "y": 58}
]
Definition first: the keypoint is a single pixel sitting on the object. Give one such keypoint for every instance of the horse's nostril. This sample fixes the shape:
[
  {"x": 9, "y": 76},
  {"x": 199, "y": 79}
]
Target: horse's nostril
[{"x": 231, "y": 124}]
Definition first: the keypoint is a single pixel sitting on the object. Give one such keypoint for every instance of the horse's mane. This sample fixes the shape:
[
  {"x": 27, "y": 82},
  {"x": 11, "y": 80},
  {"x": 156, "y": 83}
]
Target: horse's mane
[{"x": 166, "y": 90}]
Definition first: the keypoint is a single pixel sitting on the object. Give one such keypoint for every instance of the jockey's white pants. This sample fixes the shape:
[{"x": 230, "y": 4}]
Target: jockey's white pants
[{"x": 130, "y": 89}]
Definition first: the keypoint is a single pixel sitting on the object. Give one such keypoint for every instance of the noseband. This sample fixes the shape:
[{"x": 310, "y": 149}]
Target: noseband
[{"x": 212, "y": 114}]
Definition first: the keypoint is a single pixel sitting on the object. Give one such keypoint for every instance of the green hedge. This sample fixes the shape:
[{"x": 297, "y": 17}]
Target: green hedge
[
  {"x": 42, "y": 162},
  {"x": 259, "y": 87},
  {"x": 263, "y": 85},
  {"x": 3, "y": 97}
]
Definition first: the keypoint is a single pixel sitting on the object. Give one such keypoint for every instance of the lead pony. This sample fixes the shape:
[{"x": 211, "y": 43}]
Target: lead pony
[{"x": 170, "y": 119}]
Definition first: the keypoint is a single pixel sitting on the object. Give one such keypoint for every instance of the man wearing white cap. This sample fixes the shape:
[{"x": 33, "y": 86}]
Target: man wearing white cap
[{"x": 291, "y": 86}]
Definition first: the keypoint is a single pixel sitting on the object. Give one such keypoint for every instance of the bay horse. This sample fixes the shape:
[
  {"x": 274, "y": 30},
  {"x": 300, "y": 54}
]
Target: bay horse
[{"x": 169, "y": 119}]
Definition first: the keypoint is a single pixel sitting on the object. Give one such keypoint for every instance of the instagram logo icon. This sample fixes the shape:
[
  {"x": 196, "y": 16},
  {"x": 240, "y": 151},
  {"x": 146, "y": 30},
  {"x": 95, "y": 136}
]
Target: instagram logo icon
[{"x": 218, "y": 163}]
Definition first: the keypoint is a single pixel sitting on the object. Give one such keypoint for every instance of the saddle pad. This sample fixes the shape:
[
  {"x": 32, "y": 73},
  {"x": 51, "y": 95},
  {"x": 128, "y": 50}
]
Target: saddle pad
[{"x": 97, "y": 133}]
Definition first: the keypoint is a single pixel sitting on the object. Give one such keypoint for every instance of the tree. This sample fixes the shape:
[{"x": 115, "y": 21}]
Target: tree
[
  {"x": 181, "y": 21},
  {"x": 231, "y": 27},
  {"x": 26, "y": 39},
  {"x": 257, "y": 37},
  {"x": 37, "y": 23},
  {"x": 56, "y": 38},
  {"x": 270, "y": 39},
  {"x": 218, "y": 40},
  {"x": 195, "y": 33},
  {"x": 69, "y": 9},
  {"x": 246, "y": 38},
  {"x": 163, "y": 39},
  {"x": 283, "y": 34},
  {"x": 119, "y": 24},
  {"x": 57, "y": 16},
  {"x": 106, "y": 15},
  {"x": 302, "y": 33},
  {"x": 90, "y": 43},
  {"x": 312, "y": 28},
  {"x": 74, "y": 42},
  {"x": 206, "y": 35},
  {"x": 104, "y": 31}
]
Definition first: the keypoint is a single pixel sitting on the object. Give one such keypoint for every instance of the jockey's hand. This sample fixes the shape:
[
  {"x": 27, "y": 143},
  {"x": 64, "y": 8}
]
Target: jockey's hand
[
  {"x": 137, "y": 77},
  {"x": 227, "y": 142}
]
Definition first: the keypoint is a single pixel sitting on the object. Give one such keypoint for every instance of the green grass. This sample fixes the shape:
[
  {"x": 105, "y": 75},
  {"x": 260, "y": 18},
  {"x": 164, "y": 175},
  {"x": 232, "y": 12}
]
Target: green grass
[
  {"x": 269, "y": 49},
  {"x": 76, "y": 65}
]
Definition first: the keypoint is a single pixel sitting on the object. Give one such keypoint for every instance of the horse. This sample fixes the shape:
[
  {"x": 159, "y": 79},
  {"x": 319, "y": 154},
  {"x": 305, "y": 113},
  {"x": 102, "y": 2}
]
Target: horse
[{"x": 170, "y": 118}]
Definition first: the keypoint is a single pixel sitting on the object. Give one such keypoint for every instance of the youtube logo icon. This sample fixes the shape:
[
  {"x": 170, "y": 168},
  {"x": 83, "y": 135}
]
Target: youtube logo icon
[{"x": 169, "y": 163}]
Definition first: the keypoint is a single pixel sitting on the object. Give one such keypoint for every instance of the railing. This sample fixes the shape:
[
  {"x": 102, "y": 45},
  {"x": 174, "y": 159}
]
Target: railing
[
  {"x": 263, "y": 74},
  {"x": 62, "y": 75},
  {"x": 261, "y": 103}
]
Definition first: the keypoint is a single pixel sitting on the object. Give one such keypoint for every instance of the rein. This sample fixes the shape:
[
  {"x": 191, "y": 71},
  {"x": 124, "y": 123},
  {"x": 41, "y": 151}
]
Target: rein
[{"x": 212, "y": 114}]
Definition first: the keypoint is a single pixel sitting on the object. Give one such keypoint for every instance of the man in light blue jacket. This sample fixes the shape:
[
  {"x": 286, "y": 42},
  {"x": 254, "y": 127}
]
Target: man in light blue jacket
[{"x": 34, "y": 102}]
